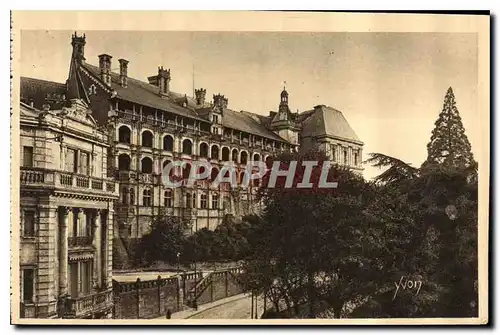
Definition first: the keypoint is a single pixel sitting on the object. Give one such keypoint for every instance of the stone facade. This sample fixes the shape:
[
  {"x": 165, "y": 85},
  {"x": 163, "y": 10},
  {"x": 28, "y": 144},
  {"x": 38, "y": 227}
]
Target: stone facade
[
  {"x": 67, "y": 214},
  {"x": 149, "y": 125}
]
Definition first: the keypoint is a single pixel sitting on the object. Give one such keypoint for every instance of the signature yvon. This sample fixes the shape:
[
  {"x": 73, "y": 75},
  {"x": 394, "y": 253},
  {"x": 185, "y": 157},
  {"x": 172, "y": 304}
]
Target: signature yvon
[{"x": 407, "y": 284}]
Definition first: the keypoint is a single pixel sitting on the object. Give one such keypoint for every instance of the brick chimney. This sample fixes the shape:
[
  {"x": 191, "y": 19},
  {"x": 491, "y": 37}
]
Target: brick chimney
[
  {"x": 105, "y": 68},
  {"x": 200, "y": 96},
  {"x": 123, "y": 72}
]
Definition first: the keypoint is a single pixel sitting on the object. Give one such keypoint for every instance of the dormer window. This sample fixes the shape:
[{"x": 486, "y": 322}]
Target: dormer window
[
  {"x": 215, "y": 130},
  {"x": 215, "y": 118}
]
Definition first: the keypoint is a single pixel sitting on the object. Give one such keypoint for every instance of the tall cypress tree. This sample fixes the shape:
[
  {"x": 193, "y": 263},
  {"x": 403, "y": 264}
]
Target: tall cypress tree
[{"x": 449, "y": 145}]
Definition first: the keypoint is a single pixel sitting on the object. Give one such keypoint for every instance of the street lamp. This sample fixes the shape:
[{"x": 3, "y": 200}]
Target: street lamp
[{"x": 178, "y": 263}]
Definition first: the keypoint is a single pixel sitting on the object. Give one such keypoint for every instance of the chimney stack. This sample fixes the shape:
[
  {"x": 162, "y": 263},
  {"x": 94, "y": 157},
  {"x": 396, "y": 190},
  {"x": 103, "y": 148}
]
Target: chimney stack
[
  {"x": 123, "y": 72},
  {"x": 105, "y": 68},
  {"x": 164, "y": 81},
  {"x": 200, "y": 96},
  {"x": 220, "y": 101}
]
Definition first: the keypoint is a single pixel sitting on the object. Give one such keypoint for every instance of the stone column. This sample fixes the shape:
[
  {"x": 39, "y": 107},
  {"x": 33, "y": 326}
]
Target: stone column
[
  {"x": 63, "y": 250},
  {"x": 96, "y": 243},
  {"x": 107, "y": 259}
]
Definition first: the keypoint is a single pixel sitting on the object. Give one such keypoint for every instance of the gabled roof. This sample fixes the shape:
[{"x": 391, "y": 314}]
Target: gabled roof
[
  {"x": 327, "y": 121},
  {"x": 146, "y": 94},
  {"x": 38, "y": 91}
]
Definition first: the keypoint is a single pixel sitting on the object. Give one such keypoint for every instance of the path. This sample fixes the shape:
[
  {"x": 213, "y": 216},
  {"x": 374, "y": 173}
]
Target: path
[{"x": 234, "y": 309}]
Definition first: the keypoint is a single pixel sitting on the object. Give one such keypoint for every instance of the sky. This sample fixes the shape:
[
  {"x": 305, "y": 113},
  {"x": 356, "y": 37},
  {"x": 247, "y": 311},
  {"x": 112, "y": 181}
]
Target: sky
[{"x": 389, "y": 86}]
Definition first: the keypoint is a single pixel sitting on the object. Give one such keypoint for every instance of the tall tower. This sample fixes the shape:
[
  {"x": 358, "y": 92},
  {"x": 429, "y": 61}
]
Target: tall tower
[
  {"x": 78, "y": 44},
  {"x": 283, "y": 122}
]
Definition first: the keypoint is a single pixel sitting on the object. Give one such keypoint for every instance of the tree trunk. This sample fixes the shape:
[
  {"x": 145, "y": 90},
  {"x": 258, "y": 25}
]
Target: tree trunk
[
  {"x": 337, "y": 309},
  {"x": 310, "y": 293}
]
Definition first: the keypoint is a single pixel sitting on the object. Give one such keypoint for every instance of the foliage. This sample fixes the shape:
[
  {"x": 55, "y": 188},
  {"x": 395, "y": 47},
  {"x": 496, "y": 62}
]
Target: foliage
[
  {"x": 449, "y": 145},
  {"x": 164, "y": 241}
]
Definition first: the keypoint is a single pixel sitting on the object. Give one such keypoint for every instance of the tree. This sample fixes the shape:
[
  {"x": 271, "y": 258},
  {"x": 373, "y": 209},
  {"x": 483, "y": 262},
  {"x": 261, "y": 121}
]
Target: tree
[
  {"x": 397, "y": 171},
  {"x": 163, "y": 242},
  {"x": 449, "y": 145},
  {"x": 315, "y": 244}
]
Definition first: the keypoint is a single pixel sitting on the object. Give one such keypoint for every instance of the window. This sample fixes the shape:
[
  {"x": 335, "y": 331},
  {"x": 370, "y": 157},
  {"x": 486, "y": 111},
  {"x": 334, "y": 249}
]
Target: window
[
  {"x": 355, "y": 159},
  {"x": 146, "y": 198},
  {"x": 83, "y": 163},
  {"x": 227, "y": 204},
  {"x": 85, "y": 277},
  {"x": 29, "y": 224},
  {"x": 27, "y": 156},
  {"x": 345, "y": 157},
  {"x": 188, "y": 200},
  {"x": 203, "y": 201},
  {"x": 215, "y": 130},
  {"x": 132, "y": 196},
  {"x": 334, "y": 153},
  {"x": 27, "y": 288},
  {"x": 71, "y": 160},
  {"x": 124, "y": 196},
  {"x": 215, "y": 201},
  {"x": 215, "y": 119},
  {"x": 124, "y": 135},
  {"x": 194, "y": 200},
  {"x": 167, "y": 198}
]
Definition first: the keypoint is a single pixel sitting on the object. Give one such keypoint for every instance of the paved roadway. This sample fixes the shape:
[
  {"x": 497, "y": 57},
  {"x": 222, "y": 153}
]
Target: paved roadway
[{"x": 236, "y": 309}]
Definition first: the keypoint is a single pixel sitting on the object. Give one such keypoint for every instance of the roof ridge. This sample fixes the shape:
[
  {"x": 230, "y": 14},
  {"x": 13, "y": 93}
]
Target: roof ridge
[{"x": 43, "y": 80}]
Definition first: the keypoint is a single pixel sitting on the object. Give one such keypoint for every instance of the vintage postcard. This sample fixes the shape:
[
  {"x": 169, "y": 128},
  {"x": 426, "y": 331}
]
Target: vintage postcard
[{"x": 249, "y": 168}]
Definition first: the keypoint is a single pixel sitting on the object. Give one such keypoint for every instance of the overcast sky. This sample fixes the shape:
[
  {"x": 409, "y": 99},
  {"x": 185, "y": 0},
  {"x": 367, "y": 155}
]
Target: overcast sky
[{"x": 389, "y": 86}]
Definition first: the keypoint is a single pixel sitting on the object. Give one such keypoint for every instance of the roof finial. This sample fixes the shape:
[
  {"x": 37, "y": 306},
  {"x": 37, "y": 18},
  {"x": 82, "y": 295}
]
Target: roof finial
[{"x": 284, "y": 85}]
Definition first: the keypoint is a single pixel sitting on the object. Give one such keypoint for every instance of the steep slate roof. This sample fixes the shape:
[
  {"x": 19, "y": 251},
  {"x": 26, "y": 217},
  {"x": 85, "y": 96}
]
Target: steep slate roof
[
  {"x": 146, "y": 94},
  {"x": 327, "y": 121},
  {"x": 38, "y": 89},
  {"x": 241, "y": 121}
]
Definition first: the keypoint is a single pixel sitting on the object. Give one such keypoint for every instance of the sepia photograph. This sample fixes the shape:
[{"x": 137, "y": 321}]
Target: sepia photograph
[{"x": 249, "y": 168}]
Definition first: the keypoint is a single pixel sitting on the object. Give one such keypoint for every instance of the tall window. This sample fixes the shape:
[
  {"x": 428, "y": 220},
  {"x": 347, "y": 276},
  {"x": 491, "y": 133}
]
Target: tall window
[
  {"x": 215, "y": 201},
  {"x": 334, "y": 152},
  {"x": 71, "y": 160},
  {"x": 124, "y": 196},
  {"x": 146, "y": 198},
  {"x": 355, "y": 159},
  {"x": 215, "y": 130},
  {"x": 28, "y": 285},
  {"x": 27, "y": 156},
  {"x": 345, "y": 157},
  {"x": 29, "y": 224},
  {"x": 215, "y": 118},
  {"x": 167, "y": 198},
  {"x": 227, "y": 204},
  {"x": 85, "y": 277},
  {"x": 132, "y": 196},
  {"x": 203, "y": 201},
  {"x": 188, "y": 200},
  {"x": 84, "y": 163}
]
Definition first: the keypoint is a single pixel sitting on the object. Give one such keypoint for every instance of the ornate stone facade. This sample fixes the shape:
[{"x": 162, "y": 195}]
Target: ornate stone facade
[{"x": 66, "y": 211}]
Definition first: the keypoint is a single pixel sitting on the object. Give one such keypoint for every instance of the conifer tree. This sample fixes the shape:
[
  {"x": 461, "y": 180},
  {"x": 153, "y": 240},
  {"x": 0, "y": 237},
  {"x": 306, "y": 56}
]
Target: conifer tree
[{"x": 449, "y": 146}]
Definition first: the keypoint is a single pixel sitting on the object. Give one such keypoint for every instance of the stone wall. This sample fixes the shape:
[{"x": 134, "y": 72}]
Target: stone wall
[
  {"x": 148, "y": 299},
  {"x": 218, "y": 285},
  {"x": 153, "y": 298}
]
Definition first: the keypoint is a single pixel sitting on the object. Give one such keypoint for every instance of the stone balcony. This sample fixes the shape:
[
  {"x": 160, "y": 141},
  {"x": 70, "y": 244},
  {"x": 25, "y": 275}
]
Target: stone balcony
[
  {"x": 88, "y": 306},
  {"x": 67, "y": 181}
]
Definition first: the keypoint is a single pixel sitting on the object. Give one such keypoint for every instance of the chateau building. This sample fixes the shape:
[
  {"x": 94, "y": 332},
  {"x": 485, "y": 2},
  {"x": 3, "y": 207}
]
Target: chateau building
[
  {"x": 66, "y": 210},
  {"x": 149, "y": 126}
]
